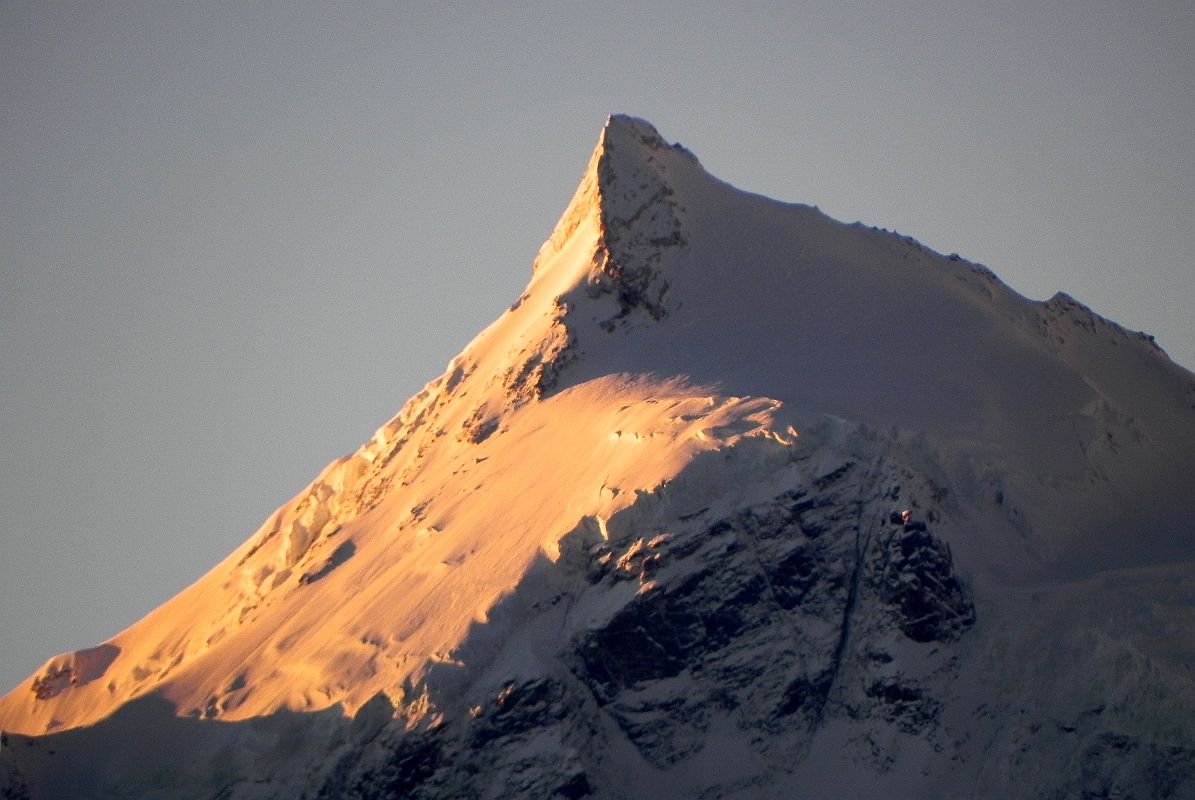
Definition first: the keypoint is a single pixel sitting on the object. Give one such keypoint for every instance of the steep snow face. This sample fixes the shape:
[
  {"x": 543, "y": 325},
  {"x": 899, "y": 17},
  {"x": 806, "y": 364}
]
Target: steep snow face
[
  {"x": 376, "y": 570},
  {"x": 729, "y": 477}
]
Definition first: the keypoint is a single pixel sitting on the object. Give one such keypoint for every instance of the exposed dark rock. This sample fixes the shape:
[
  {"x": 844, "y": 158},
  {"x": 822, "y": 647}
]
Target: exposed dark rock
[
  {"x": 520, "y": 708},
  {"x": 807, "y": 696},
  {"x": 919, "y": 581},
  {"x": 53, "y": 681},
  {"x": 795, "y": 574},
  {"x": 407, "y": 761},
  {"x": 575, "y": 787},
  {"x": 908, "y": 707}
]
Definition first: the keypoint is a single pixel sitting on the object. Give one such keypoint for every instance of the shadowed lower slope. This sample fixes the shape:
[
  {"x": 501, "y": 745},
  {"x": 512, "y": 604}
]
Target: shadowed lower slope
[{"x": 767, "y": 621}]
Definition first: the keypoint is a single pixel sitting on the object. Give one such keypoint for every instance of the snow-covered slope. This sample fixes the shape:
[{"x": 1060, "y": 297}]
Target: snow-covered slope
[{"x": 733, "y": 499}]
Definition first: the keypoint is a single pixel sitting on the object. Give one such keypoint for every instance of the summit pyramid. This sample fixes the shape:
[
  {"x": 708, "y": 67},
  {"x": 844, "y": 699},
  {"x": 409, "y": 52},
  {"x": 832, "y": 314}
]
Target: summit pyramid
[{"x": 734, "y": 500}]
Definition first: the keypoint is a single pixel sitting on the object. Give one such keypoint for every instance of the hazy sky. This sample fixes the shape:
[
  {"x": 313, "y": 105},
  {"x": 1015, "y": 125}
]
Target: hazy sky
[{"x": 234, "y": 239}]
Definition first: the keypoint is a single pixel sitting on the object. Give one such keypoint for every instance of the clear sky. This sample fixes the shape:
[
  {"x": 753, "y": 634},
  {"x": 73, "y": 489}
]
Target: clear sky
[{"x": 234, "y": 239}]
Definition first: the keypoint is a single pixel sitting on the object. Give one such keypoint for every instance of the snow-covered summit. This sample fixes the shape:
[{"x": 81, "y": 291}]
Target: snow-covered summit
[
  {"x": 693, "y": 277},
  {"x": 627, "y": 179},
  {"x": 730, "y": 477}
]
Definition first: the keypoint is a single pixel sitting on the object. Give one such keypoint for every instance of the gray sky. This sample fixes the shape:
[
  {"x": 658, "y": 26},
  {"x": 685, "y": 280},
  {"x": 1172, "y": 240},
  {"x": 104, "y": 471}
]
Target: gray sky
[{"x": 234, "y": 239}]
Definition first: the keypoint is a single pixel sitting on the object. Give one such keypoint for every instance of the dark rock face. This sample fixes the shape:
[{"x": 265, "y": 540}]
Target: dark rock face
[
  {"x": 918, "y": 581},
  {"x": 390, "y": 767},
  {"x": 472, "y": 756},
  {"x": 520, "y": 709},
  {"x": 784, "y": 611},
  {"x": 413, "y": 760},
  {"x": 781, "y": 616},
  {"x": 663, "y": 633}
]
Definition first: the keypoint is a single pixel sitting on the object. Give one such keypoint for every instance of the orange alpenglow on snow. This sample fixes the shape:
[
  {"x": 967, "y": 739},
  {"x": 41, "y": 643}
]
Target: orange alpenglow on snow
[
  {"x": 685, "y": 355},
  {"x": 379, "y": 567}
]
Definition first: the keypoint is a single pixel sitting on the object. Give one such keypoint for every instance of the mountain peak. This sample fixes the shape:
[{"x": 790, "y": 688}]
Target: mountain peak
[
  {"x": 625, "y": 129},
  {"x": 713, "y": 426},
  {"x": 629, "y": 173},
  {"x": 630, "y": 145}
]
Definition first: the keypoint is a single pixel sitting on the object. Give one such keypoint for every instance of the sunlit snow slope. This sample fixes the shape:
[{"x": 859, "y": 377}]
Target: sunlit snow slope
[{"x": 669, "y": 315}]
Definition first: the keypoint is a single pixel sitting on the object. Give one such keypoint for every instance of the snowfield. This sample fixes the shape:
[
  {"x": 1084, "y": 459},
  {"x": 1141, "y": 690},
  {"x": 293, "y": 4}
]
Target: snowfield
[{"x": 735, "y": 500}]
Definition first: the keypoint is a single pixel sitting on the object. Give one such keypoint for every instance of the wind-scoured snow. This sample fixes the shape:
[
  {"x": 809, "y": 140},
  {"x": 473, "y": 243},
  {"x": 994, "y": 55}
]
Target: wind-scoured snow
[{"x": 734, "y": 498}]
